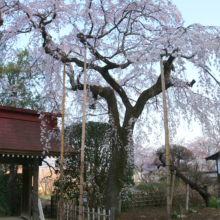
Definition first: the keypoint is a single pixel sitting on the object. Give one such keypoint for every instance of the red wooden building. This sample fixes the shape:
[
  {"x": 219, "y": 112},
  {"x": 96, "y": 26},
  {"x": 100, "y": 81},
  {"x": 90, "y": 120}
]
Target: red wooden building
[{"x": 21, "y": 132}]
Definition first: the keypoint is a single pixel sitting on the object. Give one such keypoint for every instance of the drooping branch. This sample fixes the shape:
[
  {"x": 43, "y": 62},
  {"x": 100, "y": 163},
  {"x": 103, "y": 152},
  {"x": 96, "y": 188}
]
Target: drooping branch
[{"x": 202, "y": 191}]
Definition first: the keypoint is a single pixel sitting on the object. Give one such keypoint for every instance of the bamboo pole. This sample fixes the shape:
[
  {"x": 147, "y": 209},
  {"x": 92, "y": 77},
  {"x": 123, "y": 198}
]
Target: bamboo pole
[
  {"x": 62, "y": 147},
  {"x": 172, "y": 187},
  {"x": 166, "y": 138},
  {"x": 83, "y": 143},
  {"x": 187, "y": 197}
]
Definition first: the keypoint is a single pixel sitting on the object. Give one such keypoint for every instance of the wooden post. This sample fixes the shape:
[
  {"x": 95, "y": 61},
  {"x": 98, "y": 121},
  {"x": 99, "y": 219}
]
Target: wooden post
[
  {"x": 166, "y": 138},
  {"x": 172, "y": 187},
  {"x": 26, "y": 192},
  {"x": 62, "y": 147},
  {"x": 218, "y": 170},
  {"x": 187, "y": 197},
  {"x": 35, "y": 190},
  {"x": 83, "y": 143}
]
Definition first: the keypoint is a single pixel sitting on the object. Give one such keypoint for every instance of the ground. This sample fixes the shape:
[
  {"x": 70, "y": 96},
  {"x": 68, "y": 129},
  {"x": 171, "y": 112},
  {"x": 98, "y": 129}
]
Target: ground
[
  {"x": 17, "y": 218},
  {"x": 159, "y": 213}
]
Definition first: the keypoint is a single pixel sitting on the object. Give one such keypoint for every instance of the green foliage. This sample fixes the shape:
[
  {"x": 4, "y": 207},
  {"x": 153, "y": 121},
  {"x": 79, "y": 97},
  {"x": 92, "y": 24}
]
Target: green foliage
[
  {"x": 175, "y": 214},
  {"x": 97, "y": 159},
  {"x": 5, "y": 194},
  {"x": 190, "y": 210},
  {"x": 214, "y": 202},
  {"x": 19, "y": 89},
  {"x": 158, "y": 187},
  {"x": 96, "y": 166}
]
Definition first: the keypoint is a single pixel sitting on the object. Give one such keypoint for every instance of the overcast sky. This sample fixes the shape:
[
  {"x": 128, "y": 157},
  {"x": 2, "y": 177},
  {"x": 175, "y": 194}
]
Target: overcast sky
[{"x": 205, "y": 12}]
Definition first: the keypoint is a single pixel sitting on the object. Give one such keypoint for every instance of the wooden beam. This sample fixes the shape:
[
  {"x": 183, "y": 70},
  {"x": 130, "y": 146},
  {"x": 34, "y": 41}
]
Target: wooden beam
[
  {"x": 35, "y": 189},
  {"x": 19, "y": 160}
]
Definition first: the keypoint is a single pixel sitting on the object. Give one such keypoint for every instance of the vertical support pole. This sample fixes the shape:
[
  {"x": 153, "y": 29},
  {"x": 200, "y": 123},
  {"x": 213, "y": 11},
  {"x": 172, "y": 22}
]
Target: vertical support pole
[
  {"x": 26, "y": 192},
  {"x": 218, "y": 171},
  {"x": 187, "y": 197},
  {"x": 93, "y": 214},
  {"x": 166, "y": 138},
  {"x": 35, "y": 190},
  {"x": 112, "y": 216},
  {"x": 62, "y": 147},
  {"x": 88, "y": 216},
  {"x": 98, "y": 213},
  {"x": 83, "y": 144},
  {"x": 172, "y": 187}
]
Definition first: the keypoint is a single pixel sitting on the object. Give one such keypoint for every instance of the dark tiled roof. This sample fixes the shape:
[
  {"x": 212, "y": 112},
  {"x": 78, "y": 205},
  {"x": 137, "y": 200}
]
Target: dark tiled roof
[
  {"x": 214, "y": 156},
  {"x": 20, "y": 132}
]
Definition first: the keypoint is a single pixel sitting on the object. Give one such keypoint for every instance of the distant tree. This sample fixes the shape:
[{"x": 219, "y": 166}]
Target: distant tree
[
  {"x": 203, "y": 147},
  {"x": 180, "y": 156},
  {"x": 19, "y": 89}
]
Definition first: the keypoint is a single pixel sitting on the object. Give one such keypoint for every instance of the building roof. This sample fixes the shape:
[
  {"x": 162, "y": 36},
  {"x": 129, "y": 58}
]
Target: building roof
[
  {"x": 213, "y": 156},
  {"x": 21, "y": 133}
]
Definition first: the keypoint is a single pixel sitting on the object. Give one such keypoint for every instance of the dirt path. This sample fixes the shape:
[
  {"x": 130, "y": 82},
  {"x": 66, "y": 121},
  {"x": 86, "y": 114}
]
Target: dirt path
[{"x": 159, "y": 213}]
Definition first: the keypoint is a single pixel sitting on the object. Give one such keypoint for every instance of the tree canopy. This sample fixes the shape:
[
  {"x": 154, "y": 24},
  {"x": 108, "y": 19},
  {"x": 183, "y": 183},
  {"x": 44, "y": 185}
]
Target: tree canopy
[
  {"x": 18, "y": 86},
  {"x": 125, "y": 41}
]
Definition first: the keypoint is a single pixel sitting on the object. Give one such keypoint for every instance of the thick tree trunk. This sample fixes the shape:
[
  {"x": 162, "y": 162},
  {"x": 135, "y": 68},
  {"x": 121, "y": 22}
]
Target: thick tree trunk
[{"x": 114, "y": 182}]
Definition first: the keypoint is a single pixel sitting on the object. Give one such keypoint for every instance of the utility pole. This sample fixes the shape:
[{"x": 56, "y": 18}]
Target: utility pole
[
  {"x": 62, "y": 148},
  {"x": 166, "y": 139},
  {"x": 83, "y": 144}
]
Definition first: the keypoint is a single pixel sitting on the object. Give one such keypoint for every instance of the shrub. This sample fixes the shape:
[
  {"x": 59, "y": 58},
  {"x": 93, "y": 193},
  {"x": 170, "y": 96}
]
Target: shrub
[
  {"x": 214, "y": 202},
  {"x": 5, "y": 194},
  {"x": 175, "y": 214}
]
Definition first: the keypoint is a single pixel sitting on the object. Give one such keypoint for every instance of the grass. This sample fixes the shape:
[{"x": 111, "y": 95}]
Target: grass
[
  {"x": 214, "y": 202},
  {"x": 175, "y": 214}
]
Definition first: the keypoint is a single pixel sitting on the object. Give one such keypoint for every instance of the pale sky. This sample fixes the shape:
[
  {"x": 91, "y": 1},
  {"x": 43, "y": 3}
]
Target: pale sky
[{"x": 205, "y": 12}]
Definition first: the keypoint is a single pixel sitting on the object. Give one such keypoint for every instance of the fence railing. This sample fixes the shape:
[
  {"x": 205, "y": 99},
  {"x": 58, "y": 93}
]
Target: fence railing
[
  {"x": 142, "y": 199},
  {"x": 71, "y": 212}
]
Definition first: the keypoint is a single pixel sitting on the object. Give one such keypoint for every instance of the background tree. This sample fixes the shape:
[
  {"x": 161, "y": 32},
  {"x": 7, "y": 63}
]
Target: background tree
[
  {"x": 18, "y": 86},
  {"x": 125, "y": 41}
]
